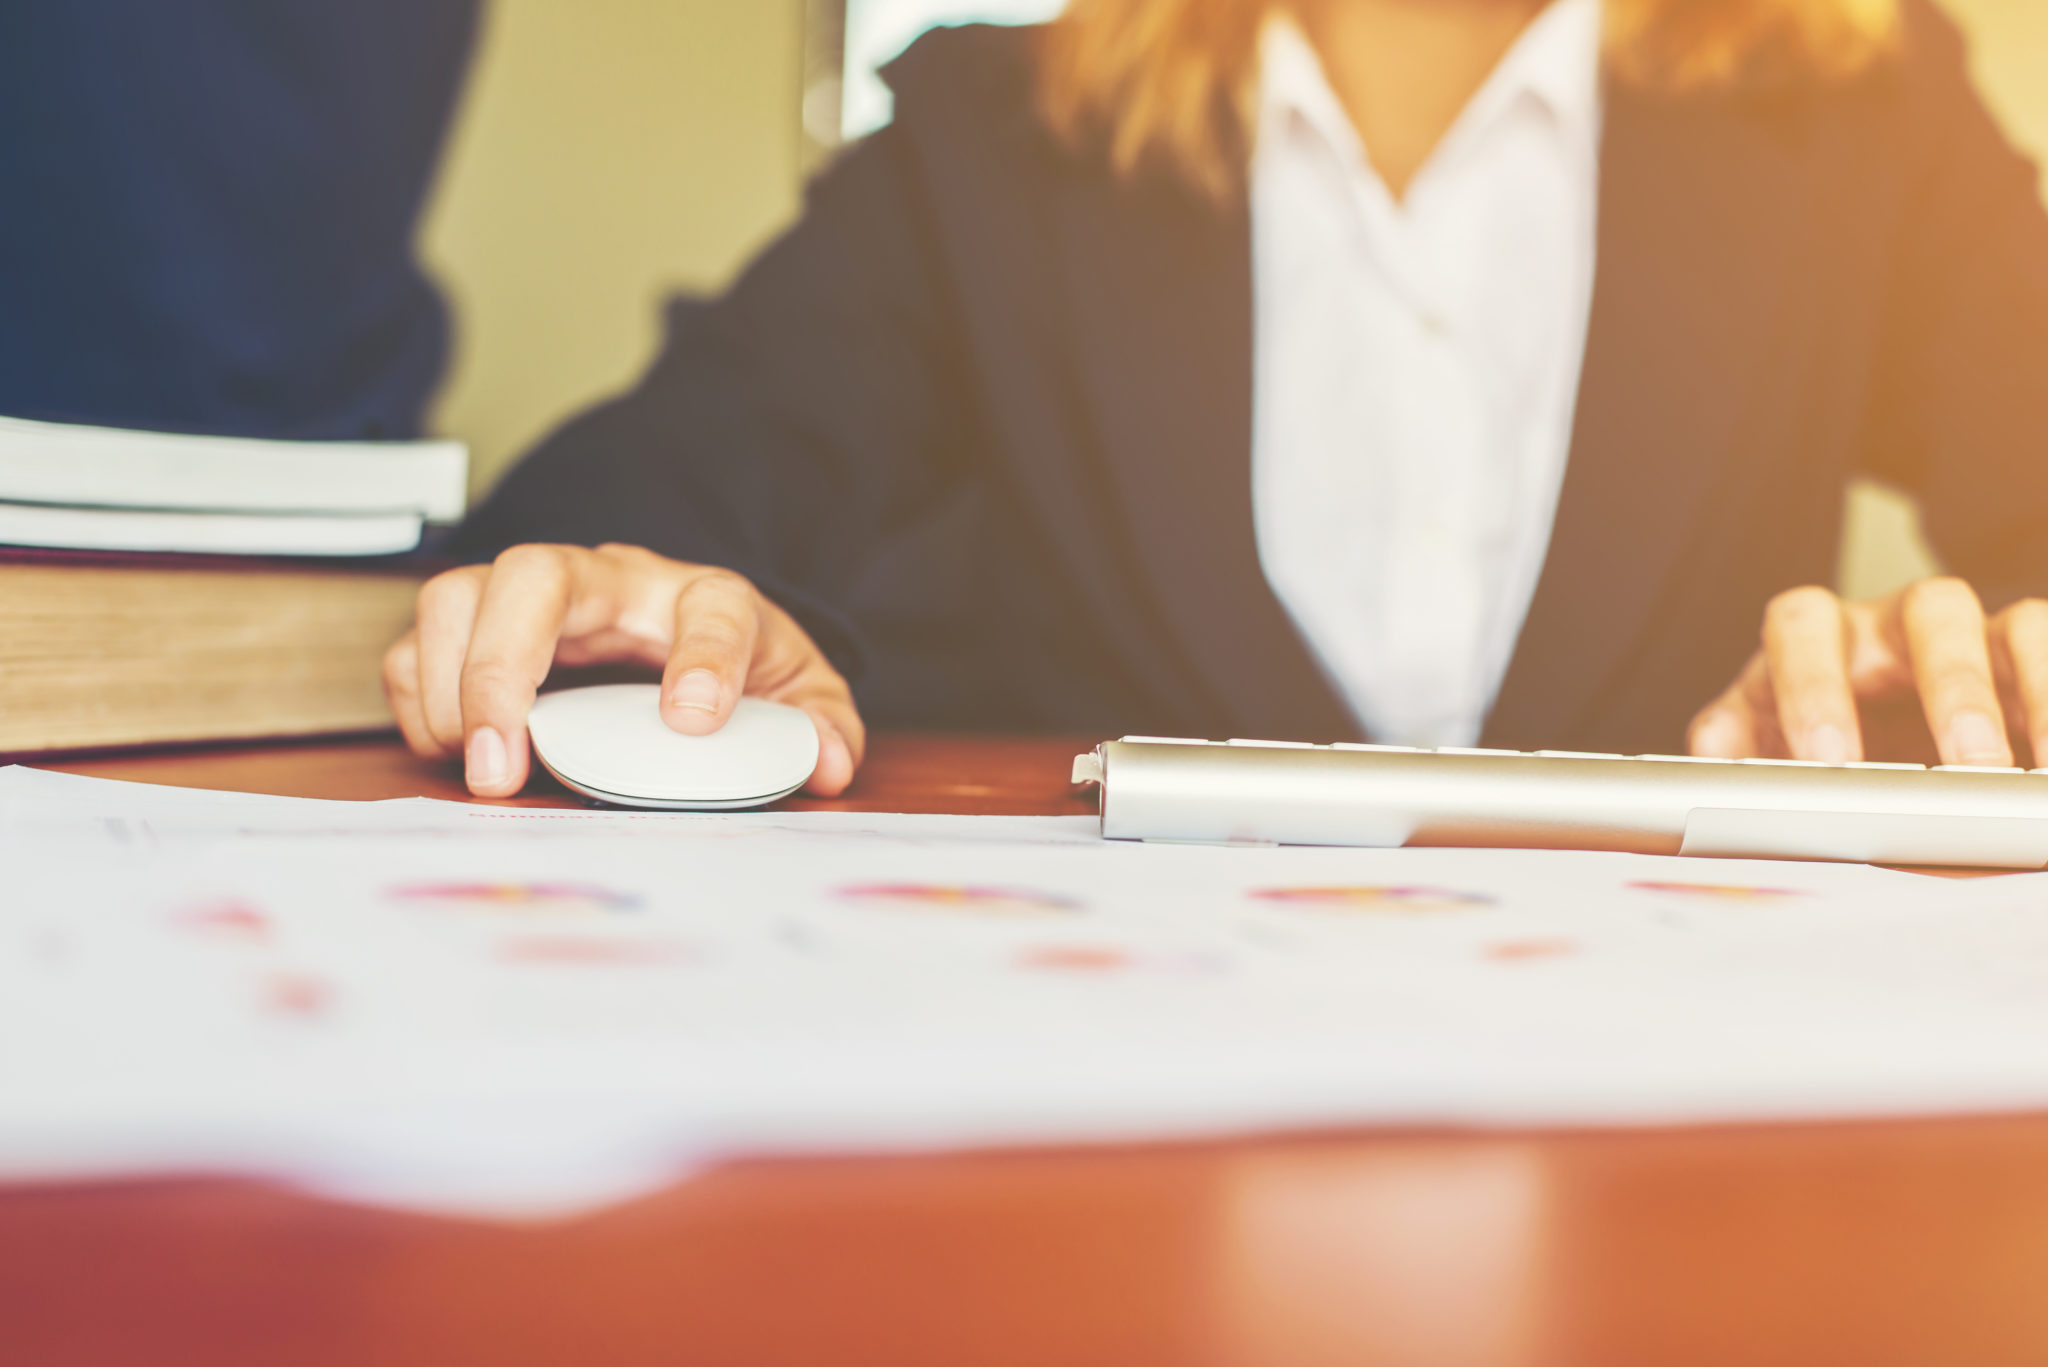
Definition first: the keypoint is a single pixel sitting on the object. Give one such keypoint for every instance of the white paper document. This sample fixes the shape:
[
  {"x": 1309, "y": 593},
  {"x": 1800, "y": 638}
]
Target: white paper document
[{"x": 521, "y": 1012}]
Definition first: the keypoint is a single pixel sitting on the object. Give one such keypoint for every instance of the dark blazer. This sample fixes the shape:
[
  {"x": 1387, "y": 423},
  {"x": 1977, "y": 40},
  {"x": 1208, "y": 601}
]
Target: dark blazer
[{"x": 983, "y": 417}]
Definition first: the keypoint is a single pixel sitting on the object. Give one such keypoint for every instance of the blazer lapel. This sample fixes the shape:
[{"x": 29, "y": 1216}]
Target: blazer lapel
[
  {"x": 1699, "y": 209},
  {"x": 1161, "y": 307}
]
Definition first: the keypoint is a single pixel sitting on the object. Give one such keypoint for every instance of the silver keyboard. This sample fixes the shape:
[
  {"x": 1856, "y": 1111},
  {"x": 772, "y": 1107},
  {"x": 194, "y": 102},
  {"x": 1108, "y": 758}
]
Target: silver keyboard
[{"x": 1279, "y": 792}]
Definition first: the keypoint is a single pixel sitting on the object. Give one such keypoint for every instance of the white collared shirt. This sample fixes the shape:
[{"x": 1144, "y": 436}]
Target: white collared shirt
[{"x": 1417, "y": 370}]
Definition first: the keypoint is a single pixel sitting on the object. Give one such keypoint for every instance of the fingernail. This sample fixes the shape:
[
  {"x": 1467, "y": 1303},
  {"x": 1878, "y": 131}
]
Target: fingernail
[
  {"x": 698, "y": 690},
  {"x": 1829, "y": 745},
  {"x": 1976, "y": 739},
  {"x": 486, "y": 762}
]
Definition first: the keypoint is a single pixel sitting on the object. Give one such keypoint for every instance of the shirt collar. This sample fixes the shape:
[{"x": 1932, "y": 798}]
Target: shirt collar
[{"x": 1556, "y": 61}]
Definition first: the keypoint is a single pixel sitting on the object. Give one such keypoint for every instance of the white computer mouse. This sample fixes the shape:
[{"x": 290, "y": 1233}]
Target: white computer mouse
[{"x": 610, "y": 743}]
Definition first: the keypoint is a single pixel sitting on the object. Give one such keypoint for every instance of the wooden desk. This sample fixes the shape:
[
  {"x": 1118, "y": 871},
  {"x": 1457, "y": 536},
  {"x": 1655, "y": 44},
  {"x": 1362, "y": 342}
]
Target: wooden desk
[{"x": 1863, "y": 1244}]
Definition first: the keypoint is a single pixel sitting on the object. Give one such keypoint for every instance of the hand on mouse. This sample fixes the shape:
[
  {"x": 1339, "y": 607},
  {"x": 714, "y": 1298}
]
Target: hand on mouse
[
  {"x": 1798, "y": 697},
  {"x": 485, "y": 636}
]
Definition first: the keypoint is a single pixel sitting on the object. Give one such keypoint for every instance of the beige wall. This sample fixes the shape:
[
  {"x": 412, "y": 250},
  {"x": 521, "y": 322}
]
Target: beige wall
[
  {"x": 609, "y": 152},
  {"x": 2010, "y": 53}
]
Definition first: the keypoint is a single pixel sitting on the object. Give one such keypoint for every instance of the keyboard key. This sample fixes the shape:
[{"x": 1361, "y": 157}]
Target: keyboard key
[
  {"x": 1881, "y": 764},
  {"x": 1468, "y": 750},
  {"x": 1973, "y": 769},
  {"x": 1575, "y": 754}
]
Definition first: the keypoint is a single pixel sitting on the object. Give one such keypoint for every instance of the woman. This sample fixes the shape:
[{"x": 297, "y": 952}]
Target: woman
[{"x": 1448, "y": 371}]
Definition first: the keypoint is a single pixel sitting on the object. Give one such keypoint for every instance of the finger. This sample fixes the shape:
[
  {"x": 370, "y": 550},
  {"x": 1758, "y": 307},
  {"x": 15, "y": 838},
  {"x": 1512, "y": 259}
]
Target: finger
[
  {"x": 1945, "y": 632},
  {"x": 842, "y": 737},
  {"x": 717, "y": 622},
  {"x": 641, "y": 624},
  {"x": 445, "y": 617},
  {"x": 402, "y": 692},
  {"x": 1733, "y": 726},
  {"x": 2020, "y": 635},
  {"x": 528, "y": 596},
  {"x": 836, "y": 757},
  {"x": 1722, "y": 730},
  {"x": 788, "y": 667},
  {"x": 1806, "y": 645}
]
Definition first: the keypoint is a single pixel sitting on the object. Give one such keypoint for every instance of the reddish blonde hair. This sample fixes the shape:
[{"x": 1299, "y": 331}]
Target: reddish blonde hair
[{"x": 1169, "y": 83}]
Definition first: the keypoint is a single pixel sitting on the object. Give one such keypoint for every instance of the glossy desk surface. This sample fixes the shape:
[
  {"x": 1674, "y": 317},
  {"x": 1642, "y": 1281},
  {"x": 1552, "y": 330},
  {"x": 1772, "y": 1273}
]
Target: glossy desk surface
[{"x": 1854, "y": 1244}]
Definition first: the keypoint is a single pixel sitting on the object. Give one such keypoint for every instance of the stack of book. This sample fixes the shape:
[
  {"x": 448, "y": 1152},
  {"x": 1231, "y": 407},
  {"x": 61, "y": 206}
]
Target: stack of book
[
  {"x": 102, "y": 488},
  {"x": 158, "y": 588}
]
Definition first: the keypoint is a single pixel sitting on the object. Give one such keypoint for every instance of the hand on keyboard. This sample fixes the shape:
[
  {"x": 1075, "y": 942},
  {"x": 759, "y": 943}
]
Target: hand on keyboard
[{"x": 1798, "y": 696}]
